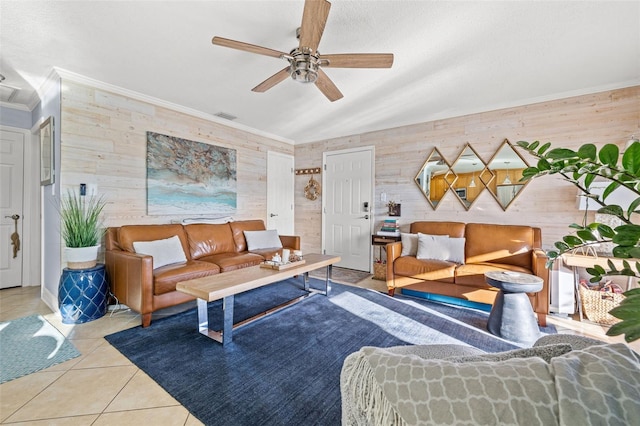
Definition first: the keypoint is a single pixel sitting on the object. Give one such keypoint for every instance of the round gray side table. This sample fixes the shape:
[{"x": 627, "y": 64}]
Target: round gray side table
[{"x": 512, "y": 316}]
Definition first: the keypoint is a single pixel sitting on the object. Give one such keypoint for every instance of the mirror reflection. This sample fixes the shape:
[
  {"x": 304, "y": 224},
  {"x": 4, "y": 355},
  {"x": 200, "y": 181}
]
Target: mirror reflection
[
  {"x": 468, "y": 168},
  {"x": 507, "y": 166},
  {"x": 431, "y": 178}
]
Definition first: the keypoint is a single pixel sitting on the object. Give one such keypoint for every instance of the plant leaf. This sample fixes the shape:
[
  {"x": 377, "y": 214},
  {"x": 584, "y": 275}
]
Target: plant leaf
[
  {"x": 588, "y": 152},
  {"x": 631, "y": 159}
]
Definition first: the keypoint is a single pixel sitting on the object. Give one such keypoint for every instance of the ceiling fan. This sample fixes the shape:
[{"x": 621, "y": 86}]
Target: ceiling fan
[{"x": 305, "y": 62}]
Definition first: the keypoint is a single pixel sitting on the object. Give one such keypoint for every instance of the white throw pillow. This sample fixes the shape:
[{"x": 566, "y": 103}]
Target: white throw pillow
[
  {"x": 257, "y": 240},
  {"x": 456, "y": 250},
  {"x": 164, "y": 252},
  {"x": 433, "y": 247},
  {"x": 409, "y": 244}
]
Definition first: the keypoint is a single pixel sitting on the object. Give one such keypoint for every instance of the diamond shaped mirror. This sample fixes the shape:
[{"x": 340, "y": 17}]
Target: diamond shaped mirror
[
  {"x": 506, "y": 166},
  {"x": 469, "y": 169},
  {"x": 431, "y": 178}
]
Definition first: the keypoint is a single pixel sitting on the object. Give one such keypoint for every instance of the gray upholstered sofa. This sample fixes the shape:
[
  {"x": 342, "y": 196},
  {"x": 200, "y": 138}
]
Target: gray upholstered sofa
[{"x": 563, "y": 379}]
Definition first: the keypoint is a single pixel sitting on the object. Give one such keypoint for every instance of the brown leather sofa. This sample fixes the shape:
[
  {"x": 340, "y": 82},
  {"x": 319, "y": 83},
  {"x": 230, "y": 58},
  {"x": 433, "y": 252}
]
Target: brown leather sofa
[
  {"x": 209, "y": 249},
  {"x": 488, "y": 247}
]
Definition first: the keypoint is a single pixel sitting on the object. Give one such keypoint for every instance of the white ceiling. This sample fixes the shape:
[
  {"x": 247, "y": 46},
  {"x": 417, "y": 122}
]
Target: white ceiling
[{"x": 451, "y": 57}]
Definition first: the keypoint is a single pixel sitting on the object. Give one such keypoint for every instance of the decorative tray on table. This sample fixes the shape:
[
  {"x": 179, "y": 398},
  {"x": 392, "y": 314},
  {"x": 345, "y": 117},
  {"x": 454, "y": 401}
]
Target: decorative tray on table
[{"x": 270, "y": 264}]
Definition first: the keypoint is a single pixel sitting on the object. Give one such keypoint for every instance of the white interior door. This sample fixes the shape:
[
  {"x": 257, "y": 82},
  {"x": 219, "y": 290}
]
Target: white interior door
[
  {"x": 347, "y": 196},
  {"x": 11, "y": 194},
  {"x": 280, "y": 193}
]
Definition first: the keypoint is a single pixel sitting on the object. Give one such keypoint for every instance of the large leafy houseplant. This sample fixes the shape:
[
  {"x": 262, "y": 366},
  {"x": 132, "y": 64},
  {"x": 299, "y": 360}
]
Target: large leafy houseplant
[{"x": 582, "y": 168}]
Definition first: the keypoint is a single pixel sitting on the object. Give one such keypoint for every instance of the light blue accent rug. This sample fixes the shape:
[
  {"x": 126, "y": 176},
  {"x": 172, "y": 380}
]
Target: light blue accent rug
[{"x": 31, "y": 344}]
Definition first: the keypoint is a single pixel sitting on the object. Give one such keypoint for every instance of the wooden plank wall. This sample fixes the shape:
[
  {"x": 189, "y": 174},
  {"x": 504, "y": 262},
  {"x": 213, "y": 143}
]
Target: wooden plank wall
[
  {"x": 548, "y": 203},
  {"x": 104, "y": 143}
]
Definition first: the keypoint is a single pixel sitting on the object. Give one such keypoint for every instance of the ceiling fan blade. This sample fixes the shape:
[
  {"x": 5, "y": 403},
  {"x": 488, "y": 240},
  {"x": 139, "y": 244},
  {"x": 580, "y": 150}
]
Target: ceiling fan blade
[
  {"x": 327, "y": 87},
  {"x": 278, "y": 77},
  {"x": 314, "y": 18},
  {"x": 220, "y": 41},
  {"x": 358, "y": 60}
]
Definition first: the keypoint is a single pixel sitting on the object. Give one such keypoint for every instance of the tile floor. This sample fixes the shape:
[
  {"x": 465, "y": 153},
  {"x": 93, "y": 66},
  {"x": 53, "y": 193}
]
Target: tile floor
[{"x": 102, "y": 387}]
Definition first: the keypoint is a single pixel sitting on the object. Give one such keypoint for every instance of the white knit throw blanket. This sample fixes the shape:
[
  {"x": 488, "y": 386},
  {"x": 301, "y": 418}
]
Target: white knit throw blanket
[{"x": 598, "y": 385}]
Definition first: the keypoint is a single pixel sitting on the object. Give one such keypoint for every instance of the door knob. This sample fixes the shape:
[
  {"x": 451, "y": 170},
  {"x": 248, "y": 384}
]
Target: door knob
[
  {"x": 366, "y": 216},
  {"x": 273, "y": 215}
]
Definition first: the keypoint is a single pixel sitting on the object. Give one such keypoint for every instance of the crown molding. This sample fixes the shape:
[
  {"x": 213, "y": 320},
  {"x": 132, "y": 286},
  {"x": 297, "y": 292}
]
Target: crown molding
[
  {"x": 19, "y": 107},
  {"x": 80, "y": 79}
]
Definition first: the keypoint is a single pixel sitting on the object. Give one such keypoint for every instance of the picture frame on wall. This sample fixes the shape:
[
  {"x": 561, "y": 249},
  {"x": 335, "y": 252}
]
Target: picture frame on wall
[{"x": 47, "y": 171}]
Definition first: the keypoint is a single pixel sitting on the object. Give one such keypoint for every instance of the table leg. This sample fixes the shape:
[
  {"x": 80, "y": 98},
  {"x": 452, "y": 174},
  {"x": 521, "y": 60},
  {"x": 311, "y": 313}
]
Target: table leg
[
  {"x": 576, "y": 283},
  {"x": 327, "y": 284},
  {"x": 224, "y": 337},
  {"x": 305, "y": 276}
]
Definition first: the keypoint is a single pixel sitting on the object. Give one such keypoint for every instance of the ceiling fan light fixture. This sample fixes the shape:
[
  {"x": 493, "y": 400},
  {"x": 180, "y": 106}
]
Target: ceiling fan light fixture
[{"x": 304, "y": 65}]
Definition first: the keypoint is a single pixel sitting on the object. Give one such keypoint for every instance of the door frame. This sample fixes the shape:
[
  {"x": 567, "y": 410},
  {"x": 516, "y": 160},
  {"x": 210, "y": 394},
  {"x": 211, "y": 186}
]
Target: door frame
[
  {"x": 325, "y": 192},
  {"x": 30, "y": 238},
  {"x": 290, "y": 158}
]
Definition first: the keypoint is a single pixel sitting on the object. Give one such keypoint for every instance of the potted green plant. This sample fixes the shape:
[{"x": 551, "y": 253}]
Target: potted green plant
[
  {"x": 582, "y": 168},
  {"x": 82, "y": 229}
]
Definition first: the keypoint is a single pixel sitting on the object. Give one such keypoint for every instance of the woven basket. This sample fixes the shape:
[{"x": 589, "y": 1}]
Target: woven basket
[
  {"x": 597, "y": 304},
  {"x": 380, "y": 271}
]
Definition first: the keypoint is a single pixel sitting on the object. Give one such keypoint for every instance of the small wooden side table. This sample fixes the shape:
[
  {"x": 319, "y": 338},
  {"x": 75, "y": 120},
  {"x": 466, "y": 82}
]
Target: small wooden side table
[{"x": 380, "y": 241}]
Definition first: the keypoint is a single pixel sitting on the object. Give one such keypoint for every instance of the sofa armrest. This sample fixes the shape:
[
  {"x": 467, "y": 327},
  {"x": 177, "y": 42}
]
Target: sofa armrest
[
  {"x": 393, "y": 252},
  {"x": 290, "y": 241},
  {"x": 131, "y": 277},
  {"x": 539, "y": 267}
]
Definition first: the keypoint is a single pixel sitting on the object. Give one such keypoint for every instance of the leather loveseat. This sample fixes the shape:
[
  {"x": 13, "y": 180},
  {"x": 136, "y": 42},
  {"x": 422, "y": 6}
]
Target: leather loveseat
[
  {"x": 208, "y": 249},
  {"x": 487, "y": 247}
]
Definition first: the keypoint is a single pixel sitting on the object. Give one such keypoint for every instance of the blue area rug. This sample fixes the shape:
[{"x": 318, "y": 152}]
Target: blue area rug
[
  {"x": 285, "y": 369},
  {"x": 31, "y": 344}
]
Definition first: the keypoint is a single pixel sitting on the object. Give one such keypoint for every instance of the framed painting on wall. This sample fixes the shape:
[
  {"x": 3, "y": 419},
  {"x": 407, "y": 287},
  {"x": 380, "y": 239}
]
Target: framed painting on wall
[
  {"x": 47, "y": 173},
  {"x": 186, "y": 177}
]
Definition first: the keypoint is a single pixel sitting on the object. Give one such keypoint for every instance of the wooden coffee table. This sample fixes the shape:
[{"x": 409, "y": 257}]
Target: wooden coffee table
[{"x": 225, "y": 285}]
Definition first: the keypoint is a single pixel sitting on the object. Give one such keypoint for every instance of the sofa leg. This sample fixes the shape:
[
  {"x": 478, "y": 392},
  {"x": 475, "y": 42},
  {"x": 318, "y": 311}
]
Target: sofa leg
[
  {"x": 542, "y": 320},
  {"x": 391, "y": 291},
  {"x": 146, "y": 320}
]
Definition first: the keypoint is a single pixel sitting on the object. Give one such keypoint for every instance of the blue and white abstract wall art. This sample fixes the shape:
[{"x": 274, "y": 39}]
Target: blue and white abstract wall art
[{"x": 186, "y": 177}]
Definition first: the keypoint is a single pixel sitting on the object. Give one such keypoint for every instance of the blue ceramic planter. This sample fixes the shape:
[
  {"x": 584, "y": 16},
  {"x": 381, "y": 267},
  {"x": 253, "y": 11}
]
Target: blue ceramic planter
[{"x": 82, "y": 294}]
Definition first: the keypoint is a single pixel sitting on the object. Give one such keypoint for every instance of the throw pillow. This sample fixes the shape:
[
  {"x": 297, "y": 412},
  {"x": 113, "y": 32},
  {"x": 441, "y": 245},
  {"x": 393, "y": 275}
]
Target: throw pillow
[
  {"x": 545, "y": 352},
  {"x": 409, "y": 244},
  {"x": 164, "y": 252},
  {"x": 456, "y": 250},
  {"x": 433, "y": 247},
  {"x": 257, "y": 240}
]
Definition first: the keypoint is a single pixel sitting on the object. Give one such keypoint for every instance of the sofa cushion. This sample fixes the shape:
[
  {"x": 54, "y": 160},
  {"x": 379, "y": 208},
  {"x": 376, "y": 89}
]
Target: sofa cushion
[
  {"x": 452, "y": 229},
  {"x": 164, "y": 252},
  {"x": 433, "y": 270},
  {"x": 238, "y": 228},
  {"x": 208, "y": 239},
  {"x": 409, "y": 244},
  {"x": 508, "y": 244},
  {"x": 166, "y": 277},
  {"x": 257, "y": 240},
  {"x": 127, "y": 234},
  {"x": 232, "y": 261}
]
